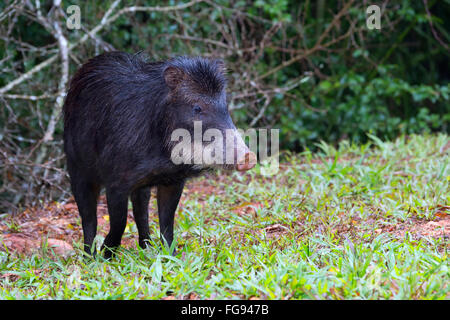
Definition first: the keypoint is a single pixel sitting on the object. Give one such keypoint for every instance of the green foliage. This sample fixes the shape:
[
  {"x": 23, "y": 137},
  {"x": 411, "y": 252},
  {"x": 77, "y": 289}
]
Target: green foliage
[
  {"x": 354, "y": 82},
  {"x": 331, "y": 212},
  {"x": 351, "y": 106},
  {"x": 381, "y": 83}
]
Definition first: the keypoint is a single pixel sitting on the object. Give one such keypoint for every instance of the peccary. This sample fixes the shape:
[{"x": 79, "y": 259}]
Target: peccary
[{"x": 120, "y": 114}]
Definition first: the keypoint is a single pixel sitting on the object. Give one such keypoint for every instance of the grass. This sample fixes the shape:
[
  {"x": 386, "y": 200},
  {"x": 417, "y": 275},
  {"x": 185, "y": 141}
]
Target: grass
[{"x": 351, "y": 222}]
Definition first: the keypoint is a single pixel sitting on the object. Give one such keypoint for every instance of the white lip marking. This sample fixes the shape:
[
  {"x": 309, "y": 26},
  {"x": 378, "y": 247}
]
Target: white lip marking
[
  {"x": 207, "y": 149},
  {"x": 235, "y": 146}
]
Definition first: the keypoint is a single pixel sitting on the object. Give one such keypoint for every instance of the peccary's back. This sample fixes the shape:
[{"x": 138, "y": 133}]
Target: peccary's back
[{"x": 110, "y": 101}]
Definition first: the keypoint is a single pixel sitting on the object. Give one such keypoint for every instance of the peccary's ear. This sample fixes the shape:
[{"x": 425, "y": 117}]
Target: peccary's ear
[
  {"x": 221, "y": 66},
  {"x": 173, "y": 76}
]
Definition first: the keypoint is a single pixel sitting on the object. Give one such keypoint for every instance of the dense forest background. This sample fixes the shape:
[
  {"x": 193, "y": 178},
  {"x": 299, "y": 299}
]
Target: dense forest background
[{"x": 312, "y": 69}]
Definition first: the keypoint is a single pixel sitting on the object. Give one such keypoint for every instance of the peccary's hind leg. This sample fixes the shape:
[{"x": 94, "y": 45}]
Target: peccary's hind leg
[
  {"x": 117, "y": 208},
  {"x": 86, "y": 194},
  {"x": 140, "y": 199}
]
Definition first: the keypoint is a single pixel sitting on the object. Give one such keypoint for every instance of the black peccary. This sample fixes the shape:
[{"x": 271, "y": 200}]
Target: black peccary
[{"x": 119, "y": 115}]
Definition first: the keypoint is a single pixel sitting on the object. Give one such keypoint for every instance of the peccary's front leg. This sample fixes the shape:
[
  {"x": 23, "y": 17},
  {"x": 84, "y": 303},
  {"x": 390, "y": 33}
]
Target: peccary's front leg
[{"x": 168, "y": 198}]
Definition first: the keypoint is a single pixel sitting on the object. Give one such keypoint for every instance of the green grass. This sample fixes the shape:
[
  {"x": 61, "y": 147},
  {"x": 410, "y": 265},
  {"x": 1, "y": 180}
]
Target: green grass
[{"x": 337, "y": 224}]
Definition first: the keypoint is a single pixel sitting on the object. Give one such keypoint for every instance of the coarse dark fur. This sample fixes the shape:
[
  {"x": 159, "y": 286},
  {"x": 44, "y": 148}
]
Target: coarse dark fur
[{"x": 118, "y": 116}]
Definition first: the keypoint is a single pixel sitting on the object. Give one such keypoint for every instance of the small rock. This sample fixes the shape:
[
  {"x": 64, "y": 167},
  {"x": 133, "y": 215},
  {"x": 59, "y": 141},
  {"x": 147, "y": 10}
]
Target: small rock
[{"x": 59, "y": 247}]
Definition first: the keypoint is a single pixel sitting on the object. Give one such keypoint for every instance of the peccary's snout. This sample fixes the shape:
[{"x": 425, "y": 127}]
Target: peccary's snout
[
  {"x": 247, "y": 162},
  {"x": 244, "y": 158}
]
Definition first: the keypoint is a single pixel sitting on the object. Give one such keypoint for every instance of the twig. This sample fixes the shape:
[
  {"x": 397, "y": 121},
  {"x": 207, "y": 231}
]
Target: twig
[
  {"x": 318, "y": 45},
  {"x": 214, "y": 42},
  {"x": 26, "y": 97},
  {"x": 432, "y": 28}
]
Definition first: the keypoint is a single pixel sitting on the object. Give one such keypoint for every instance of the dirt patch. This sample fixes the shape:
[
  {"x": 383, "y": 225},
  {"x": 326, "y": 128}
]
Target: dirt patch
[
  {"x": 58, "y": 226},
  {"x": 439, "y": 228}
]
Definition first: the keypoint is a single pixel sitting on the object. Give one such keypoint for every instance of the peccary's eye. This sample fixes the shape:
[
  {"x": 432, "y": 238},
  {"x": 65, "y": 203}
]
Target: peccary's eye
[{"x": 197, "y": 109}]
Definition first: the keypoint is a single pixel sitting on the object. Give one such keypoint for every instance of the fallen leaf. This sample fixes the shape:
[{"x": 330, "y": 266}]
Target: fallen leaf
[
  {"x": 70, "y": 206},
  {"x": 248, "y": 208},
  {"x": 275, "y": 230},
  {"x": 441, "y": 214},
  {"x": 11, "y": 276},
  {"x": 192, "y": 296}
]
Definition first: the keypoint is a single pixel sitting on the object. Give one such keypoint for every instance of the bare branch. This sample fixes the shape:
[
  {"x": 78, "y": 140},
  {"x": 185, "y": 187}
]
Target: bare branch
[
  {"x": 103, "y": 24},
  {"x": 64, "y": 53}
]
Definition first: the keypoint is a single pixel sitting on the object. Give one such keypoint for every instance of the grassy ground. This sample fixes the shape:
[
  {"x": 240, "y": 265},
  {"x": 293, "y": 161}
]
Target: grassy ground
[{"x": 357, "y": 222}]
